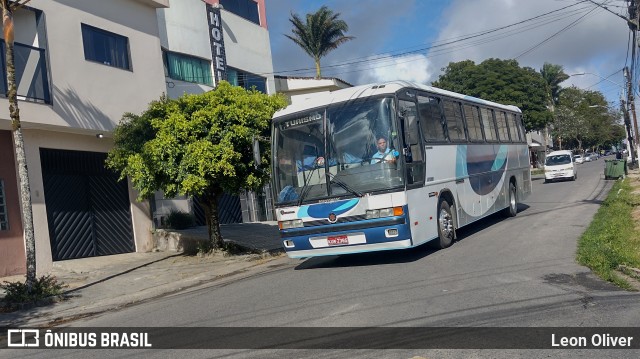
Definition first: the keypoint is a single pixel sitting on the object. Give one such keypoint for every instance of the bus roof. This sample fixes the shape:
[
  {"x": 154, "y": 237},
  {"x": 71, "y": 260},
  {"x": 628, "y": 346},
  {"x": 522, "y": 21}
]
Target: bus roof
[{"x": 321, "y": 99}]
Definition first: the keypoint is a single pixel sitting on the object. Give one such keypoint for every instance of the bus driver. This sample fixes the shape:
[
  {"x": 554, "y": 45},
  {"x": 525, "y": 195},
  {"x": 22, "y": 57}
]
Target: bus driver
[{"x": 384, "y": 154}]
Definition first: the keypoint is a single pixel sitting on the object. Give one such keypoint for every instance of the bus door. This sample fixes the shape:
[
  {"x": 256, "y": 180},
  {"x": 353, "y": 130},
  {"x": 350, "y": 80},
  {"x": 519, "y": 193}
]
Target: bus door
[{"x": 412, "y": 150}]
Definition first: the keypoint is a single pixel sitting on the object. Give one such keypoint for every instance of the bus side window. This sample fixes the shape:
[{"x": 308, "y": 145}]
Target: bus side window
[
  {"x": 474, "y": 126},
  {"x": 413, "y": 146},
  {"x": 488, "y": 124},
  {"x": 501, "y": 122},
  {"x": 431, "y": 119},
  {"x": 513, "y": 128},
  {"x": 455, "y": 125}
]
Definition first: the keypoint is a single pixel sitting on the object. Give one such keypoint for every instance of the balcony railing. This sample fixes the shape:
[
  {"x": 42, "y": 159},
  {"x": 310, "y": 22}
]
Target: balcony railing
[{"x": 31, "y": 73}]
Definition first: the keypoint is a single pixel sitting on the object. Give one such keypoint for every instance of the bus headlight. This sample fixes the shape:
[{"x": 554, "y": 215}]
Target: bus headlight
[
  {"x": 384, "y": 212},
  {"x": 294, "y": 223},
  {"x": 373, "y": 213}
]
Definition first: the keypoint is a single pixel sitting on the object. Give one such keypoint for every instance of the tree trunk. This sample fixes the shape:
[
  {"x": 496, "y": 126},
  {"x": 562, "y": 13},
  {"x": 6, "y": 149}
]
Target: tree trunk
[
  {"x": 318, "y": 74},
  {"x": 23, "y": 174},
  {"x": 210, "y": 205}
]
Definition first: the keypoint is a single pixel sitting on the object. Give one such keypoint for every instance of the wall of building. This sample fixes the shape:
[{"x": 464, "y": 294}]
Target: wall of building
[
  {"x": 87, "y": 97},
  {"x": 248, "y": 47},
  {"x": 36, "y": 139},
  {"x": 12, "y": 250}
]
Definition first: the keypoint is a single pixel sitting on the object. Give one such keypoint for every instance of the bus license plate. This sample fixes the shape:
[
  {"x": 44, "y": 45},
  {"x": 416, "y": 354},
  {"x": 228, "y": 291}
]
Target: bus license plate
[{"x": 337, "y": 240}]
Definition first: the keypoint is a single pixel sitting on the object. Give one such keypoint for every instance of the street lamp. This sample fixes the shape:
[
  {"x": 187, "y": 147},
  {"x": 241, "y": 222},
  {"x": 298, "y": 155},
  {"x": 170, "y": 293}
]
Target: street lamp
[{"x": 596, "y": 75}]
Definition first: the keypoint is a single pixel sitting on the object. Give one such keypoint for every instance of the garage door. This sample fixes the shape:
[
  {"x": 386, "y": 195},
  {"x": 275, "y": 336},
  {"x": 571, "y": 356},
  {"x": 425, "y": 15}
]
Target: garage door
[{"x": 88, "y": 209}]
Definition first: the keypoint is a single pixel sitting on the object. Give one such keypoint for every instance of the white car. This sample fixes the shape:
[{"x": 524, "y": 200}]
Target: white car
[
  {"x": 560, "y": 165},
  {"x": 578, "y": 159}
]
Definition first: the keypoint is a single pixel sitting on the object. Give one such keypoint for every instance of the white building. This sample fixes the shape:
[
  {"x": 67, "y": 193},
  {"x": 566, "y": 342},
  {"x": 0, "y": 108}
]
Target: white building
[{"x": 80, "y": 65}]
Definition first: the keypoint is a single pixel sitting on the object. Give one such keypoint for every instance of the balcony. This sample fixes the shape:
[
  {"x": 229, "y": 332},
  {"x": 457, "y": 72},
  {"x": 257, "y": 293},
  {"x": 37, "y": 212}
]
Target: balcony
[{"x": 31, "y": 73}]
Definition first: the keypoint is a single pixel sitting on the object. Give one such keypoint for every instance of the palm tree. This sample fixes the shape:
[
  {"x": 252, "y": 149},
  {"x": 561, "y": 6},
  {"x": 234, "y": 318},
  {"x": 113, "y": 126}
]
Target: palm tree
[
  {"x": 8, "y": 7},
  {"x": 553, "y": 75},
  {"x": 321, "y": 33}
]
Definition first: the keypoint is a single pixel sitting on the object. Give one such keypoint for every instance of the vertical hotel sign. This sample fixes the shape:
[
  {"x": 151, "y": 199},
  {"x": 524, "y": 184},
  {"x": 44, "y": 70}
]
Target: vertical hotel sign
[{"x": 217, "y": 44}]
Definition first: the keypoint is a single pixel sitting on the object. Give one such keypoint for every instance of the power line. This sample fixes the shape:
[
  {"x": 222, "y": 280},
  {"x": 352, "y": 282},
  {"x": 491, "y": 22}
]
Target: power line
[
  {"x": 386, "y": 56},
  {"x": 572, "y": 24}
]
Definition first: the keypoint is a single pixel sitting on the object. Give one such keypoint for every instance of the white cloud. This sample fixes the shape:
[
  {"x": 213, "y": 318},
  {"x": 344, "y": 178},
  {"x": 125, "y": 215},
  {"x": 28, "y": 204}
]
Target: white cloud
[
  {"x": 597, "y": 42},
  {"x": 414, "y": 68}
]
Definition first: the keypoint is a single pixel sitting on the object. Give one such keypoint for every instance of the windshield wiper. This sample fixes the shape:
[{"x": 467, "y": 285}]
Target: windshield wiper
[
  {"x": 305, "y": 188},
  {"x": 333, "y": 179}
]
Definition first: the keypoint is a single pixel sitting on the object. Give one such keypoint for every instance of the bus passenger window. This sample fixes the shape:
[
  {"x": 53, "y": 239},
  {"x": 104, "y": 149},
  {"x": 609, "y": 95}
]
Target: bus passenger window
[
  {"x": 503, "y": 131},
  {"x": 431, "y": 119},
  {"x": 488, "y": 124},
  {"x": 513, "y": 128},
  {"x": 473, "y": 123},
  {"x": 455, "y": 125}
]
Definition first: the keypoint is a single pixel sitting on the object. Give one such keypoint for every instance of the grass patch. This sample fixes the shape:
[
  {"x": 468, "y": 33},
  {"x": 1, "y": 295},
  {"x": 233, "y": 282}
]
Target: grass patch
[
  {"x": 537, "y": 171},
  {"x": 612, "y": 239}
]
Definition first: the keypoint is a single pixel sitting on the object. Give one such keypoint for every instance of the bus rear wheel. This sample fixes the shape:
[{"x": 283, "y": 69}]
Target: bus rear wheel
[
  {"x": 446, "y": 228},
  {"x": 512, "y": 210}
]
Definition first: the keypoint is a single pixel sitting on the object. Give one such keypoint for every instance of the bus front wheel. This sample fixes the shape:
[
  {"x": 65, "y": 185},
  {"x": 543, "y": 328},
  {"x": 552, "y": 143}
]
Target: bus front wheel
[{"x": 446, "y": 228}]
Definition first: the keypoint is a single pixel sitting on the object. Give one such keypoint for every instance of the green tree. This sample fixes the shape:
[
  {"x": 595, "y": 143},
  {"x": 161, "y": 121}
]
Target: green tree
[
  {"x": 502, "y": 81},
  {"x": 583, "y": 118},
  {"x": 321, "y": 33},
  {"x": 8, "y": 7},
  {"x": 553, "y": 75},
  {"x": 198, "y": 145}
]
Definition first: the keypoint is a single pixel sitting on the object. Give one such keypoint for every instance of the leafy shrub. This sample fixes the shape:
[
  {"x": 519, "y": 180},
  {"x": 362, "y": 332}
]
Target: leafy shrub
[
  {"x": 180, "y": 220},
  {"x": 45, "y": 288}
]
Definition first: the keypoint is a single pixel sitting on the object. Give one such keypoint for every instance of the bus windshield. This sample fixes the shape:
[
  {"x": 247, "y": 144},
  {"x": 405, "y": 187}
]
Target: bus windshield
[{"x": 343, "y": 150}]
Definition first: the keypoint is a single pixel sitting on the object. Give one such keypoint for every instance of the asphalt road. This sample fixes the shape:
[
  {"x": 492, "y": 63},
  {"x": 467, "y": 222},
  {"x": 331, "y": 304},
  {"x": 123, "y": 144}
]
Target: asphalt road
[{"x": 515, "y": 272}]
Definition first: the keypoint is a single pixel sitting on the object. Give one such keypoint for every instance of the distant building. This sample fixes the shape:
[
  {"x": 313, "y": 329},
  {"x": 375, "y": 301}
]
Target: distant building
[
  {"x": 204, "y": 42},
  {"x": 295, "y": 88},
  {"x": 537, "y": 150}
]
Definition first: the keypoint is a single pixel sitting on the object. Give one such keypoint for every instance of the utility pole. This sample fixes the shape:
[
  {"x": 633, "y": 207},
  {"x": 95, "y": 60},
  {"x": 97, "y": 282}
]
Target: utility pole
[
  {"x": 627, "y": 125},
  {"x": 634, "y": 16},
  {"x": 633, "y": 140}
]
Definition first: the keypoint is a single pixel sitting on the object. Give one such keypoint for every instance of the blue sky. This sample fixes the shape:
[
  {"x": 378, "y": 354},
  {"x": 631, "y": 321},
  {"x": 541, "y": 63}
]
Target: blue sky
[{"x": 583, "y": 38}]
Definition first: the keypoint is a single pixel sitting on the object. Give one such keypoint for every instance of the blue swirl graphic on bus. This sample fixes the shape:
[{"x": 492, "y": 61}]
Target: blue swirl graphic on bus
[
  {"x": 322, "y": 210},
  {"x": 484, "y": 164}
]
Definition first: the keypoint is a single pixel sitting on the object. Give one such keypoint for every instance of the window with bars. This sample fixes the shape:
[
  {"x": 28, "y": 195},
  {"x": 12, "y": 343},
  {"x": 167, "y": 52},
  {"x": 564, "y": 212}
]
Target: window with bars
[
  {"x": 4, "y": 219},
  {"x": 187, "y": 68},
  {"x": 246, "y": 80}
]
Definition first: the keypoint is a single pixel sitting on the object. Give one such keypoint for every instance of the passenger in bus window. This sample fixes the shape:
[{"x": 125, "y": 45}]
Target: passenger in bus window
[{"x": 384, "y": 154}]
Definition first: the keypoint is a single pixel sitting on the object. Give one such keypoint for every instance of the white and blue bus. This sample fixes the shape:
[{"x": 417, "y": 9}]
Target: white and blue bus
[{"x": 449, "y": 160}]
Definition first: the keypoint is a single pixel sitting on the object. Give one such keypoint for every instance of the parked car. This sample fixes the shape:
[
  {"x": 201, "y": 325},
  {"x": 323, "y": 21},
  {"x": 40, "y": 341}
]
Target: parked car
[
  {"x": 578, "y": 159},
  {"x": 594, "y": 156},
  {"x": 587, "y": 157}
]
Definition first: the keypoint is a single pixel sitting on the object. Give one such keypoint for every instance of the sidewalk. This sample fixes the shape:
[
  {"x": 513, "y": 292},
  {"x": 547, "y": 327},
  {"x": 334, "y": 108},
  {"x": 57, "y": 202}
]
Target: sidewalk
[{"x": 98, "y": 284}]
